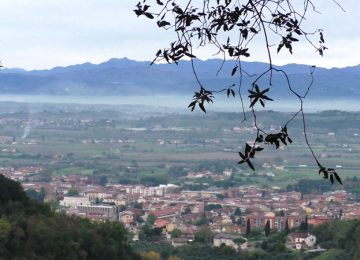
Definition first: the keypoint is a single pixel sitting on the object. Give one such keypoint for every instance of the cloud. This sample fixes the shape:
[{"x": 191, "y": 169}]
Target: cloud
[{"x": 43, "y": 34}]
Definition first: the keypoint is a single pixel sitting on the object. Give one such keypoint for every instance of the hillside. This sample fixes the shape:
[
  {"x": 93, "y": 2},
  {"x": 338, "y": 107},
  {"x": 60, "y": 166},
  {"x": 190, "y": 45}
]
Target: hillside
[
  {"x": 30, "y": 230},
  {"x": 129, "y": 77}
]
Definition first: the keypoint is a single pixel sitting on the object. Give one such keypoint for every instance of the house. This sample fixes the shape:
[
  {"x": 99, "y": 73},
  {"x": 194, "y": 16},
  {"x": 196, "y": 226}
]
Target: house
[
  {"x": 160, "y": 223},
  {"x": 170, "y": 227},
  {"x": 165, "y": 212},
  {"x": 126, "y": 217},
  {"x": 180, "y": 241},
  {"x": 235, "y": 241},
  {"x": 302, "y": 240},
  {"x": 319, "y": 219}
]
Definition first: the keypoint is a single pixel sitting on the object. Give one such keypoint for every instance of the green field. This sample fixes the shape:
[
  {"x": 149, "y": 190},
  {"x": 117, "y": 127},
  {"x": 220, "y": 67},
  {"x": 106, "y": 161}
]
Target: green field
[{"x": 95, "y": 140}]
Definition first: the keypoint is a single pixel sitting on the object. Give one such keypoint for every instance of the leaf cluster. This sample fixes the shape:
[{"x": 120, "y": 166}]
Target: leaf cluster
[
  {"x": 208, "y": 21},
  {"x": 276, "y": 138},
  {"x": 200, "y": 98},
  {"x": 329, "y": 173},
  {"x": 258, "y": 95},
  {"x": 248, "y": 154}
]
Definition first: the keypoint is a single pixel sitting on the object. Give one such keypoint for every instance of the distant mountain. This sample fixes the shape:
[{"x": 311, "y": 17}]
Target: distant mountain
[{"x": 129, "y": 77}]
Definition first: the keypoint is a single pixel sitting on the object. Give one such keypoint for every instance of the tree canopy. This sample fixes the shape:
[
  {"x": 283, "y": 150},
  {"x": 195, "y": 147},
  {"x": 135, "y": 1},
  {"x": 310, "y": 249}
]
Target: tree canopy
[{"x": 30, "y": 230}]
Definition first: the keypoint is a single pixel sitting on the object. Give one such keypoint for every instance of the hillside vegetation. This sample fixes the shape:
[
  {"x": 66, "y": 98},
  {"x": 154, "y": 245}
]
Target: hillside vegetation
[{"x": 30, "y": 230}]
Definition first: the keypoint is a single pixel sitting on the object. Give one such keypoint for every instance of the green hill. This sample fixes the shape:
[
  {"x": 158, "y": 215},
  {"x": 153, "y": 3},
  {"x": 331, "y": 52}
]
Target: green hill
[{"x": 30, "y": 230}]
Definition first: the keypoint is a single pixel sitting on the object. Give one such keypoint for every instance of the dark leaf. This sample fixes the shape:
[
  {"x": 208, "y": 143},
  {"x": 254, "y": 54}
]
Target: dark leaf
[
  {"x": 190, "y": 55},
  {"x": 260, "y": 139},
  {"x": 192, "y": 104},
  {"x": 250, "y": 165},
  {"x": 247, "y": 148},
  {"x": 241, "y": 161},
  {"x": 262, "y": 103},
  {"x": 252, "y": 153},
  {"x": 277, "y": 144},
  {"x": 337, "y": 178},
  {"x": 267, "y": 98},
  {"x": 234, "y": 70},
  {"x": 253, "y": 102},
  {"x": 298, "y": 32},
  {"x": 253, "y": 30},
  {"x": 146, "y": 7},
  {"x": 242, "y": 155},
  {"x": 201, "y": 105},
  {"x": 162, "y": 23},
  {"x": 149, "y": 15}
]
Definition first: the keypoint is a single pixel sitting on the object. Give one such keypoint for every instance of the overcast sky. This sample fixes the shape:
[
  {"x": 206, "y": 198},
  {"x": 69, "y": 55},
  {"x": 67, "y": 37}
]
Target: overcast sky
[{"x": 42, "y": 34}]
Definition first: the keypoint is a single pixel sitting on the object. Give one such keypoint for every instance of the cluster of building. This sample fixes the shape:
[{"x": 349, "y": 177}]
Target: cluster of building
[
  {"x": 226, "y": 212},
  {"x": 22, "y": 174}
]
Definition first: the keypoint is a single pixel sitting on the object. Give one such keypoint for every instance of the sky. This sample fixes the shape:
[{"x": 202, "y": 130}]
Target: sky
[{"x": 41, "y": 34}]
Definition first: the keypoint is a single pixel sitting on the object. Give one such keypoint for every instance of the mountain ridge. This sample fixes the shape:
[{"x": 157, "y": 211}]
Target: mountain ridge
[{"x": 129, "y": 77}]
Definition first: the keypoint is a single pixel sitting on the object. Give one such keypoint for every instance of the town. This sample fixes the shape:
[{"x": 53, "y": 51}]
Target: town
[{"x": 179, "y": 215}]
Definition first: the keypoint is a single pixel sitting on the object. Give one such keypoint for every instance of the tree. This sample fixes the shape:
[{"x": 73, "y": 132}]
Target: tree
[
  {"x": 103, "y": 180},
  {"x": 287, "y": 229},
  {"x": 175, "y": 233},
  {"x": 151, "y": 219},
  {"x": 304, "y": 225},
  {"x": 137, "y": 205},
  {"x": 239, "y": 241},
  {"x": 72, "y": 193},
  {"x": 248, "y": 227},
  {"x": 267, "y": 228},
  {"x": 220, "y": 196},
  {"x": 340, "y": 214},
  {"x": 187, "y": 211},
  {"x": 204, "y": 235},
  {"x": 30, "y": 230},
  {"x": 151, "y": 255},
  {"x": 237, "y": 212},
  {"x": 230, "y": 27},
  {"x": 174, "y": 258},
  {"x": 5, "y": 229}
]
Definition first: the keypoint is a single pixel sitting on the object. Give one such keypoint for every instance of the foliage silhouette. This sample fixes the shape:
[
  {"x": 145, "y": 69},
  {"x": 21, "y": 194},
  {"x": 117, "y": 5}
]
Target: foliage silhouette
[{"x": 231, "y": 26}]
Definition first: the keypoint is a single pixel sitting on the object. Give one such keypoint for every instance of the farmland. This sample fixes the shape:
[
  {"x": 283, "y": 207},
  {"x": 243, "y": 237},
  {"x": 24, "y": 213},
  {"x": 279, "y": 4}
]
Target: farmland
[{"x": 126, "y": 146}]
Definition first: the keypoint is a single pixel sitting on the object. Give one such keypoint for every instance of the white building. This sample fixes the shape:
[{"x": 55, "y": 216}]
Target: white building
[
  {"x": 302, "y": 240},
  {"x": 97, "y": 211},
  {"x": 74, "y": 201},
  {"x": 160, "y": 190},
  {"x": 230, "y": 240}
]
